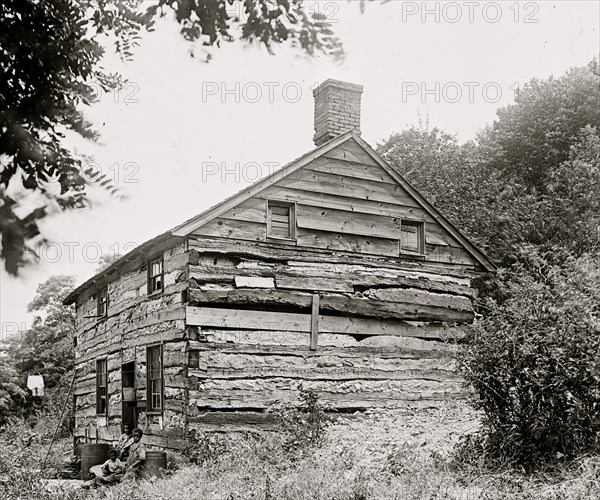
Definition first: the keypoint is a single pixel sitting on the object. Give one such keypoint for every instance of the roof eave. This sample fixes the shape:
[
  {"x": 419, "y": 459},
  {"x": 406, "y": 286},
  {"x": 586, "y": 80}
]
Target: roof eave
[
  {"x": 101, "y": 276},
  {"x": 215, "y": 211},
  {"x": 475, "y": 252}
]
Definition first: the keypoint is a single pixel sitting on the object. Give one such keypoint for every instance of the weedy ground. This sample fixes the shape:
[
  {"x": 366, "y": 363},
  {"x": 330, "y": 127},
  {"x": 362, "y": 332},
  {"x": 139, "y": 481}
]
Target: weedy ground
[{"x": 400, "y": 454}]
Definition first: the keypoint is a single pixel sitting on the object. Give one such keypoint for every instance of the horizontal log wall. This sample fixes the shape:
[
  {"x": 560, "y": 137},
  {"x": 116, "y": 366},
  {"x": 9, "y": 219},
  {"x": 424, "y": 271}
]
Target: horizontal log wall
[
  {"x": 254, "y": 274},
  {"x": 382, "y": 335},
  {"x": 236, "y": 376},
  {"x": 134, "y": 321}
]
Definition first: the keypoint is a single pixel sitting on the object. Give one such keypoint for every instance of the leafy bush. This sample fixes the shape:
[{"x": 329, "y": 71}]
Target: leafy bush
[
  {"x": 534, "y": 361},
  {"x": 304, "y": 425},
  {"x": 205, "y": 448}
]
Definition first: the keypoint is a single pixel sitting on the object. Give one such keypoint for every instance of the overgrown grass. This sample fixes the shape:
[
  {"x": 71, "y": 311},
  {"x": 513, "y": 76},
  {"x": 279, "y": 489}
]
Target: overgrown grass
[
  {"x": 23, "y": 448},
  {"x": 400, "y": 454}
]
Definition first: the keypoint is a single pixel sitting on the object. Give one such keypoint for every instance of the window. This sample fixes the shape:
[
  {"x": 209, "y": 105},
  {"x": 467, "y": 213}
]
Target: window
[
  {"x": 154, "y": 378},
  {"x": 282, "y": 221},
  {"x": 101, "y": 387},
  {"x": 102, "y": 301},
  {"x": 411, "y": 238},
  {"x": 155, "y": 276}
]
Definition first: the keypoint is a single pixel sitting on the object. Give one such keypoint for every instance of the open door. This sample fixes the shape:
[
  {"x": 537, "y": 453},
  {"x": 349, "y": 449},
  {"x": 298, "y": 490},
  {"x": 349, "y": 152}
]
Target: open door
[{"x": 129, "y": 409}]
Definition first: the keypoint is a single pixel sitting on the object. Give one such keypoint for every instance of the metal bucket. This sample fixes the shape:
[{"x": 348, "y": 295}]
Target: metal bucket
[
  {"x": 156, "y": 462},
  {"x": 92, "y": 454}
]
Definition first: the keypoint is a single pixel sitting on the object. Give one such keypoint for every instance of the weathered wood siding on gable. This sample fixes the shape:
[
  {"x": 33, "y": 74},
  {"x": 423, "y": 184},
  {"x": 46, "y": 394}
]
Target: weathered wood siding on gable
[{"x": 344, "y": 201}]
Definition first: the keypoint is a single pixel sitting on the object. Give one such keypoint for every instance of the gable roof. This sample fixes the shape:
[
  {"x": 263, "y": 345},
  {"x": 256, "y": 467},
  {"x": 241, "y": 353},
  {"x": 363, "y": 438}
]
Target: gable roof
[
  {"x": 198, "y": 221},
  {"x": 219, "y": 209}
]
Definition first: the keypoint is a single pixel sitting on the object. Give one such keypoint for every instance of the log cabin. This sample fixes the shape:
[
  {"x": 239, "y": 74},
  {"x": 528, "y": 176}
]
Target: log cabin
[{"x": 333, "y": 273}]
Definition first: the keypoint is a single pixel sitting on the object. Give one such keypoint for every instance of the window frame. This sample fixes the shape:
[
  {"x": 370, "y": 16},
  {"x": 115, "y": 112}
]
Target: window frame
[
  {"x": 291, "y": 206},
  {"x": 99, "y": 397},
  {"x": 150, "y": 408},
  {"x": 100, "y": 302},
  {"x": 150, "y": 277},
  {"x": 420, "y": 225}
]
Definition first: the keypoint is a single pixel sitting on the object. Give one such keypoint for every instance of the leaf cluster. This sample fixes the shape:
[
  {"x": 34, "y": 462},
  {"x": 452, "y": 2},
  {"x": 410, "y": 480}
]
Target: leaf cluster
[
  {"x": 304, "y": 425},
  {"x": 50, "y": 58},
  {"x": 534, "y": 360}
]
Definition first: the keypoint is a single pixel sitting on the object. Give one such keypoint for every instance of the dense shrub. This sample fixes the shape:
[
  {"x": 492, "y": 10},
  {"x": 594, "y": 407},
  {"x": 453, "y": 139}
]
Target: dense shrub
[{"x": 534, "y": 360}]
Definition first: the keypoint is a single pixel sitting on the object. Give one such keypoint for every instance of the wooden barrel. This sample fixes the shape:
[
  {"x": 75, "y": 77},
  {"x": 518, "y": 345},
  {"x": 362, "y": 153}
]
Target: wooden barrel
[
  {"x": 92, "y": 454},
  {"x": 156, "y": 462}
]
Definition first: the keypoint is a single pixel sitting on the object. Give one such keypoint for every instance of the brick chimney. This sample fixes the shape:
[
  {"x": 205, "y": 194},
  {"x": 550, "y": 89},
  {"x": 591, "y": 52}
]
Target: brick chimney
[{"x": 337, "y": 109}]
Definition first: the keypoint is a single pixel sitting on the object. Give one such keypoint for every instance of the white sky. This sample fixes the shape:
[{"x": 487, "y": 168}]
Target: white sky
[{"x": 185, "y": 145}]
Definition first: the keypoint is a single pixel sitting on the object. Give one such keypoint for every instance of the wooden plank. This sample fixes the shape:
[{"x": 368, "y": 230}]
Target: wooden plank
[
  {"x": 234, "y": 229},
  {"x": 420, "y": 297},
  {"x": 254, "y": 282},
  {"x": 336, "y": 201},
  {"x": 359, "y": 306},
  {"x": 251, "y": 297},
  {"x": 297, "y": 344},
  {"x": 232, "y": 421},
  {"x": 437, "y": 235},
  {"x": 268, "y": 320},
  {"x": 324, "y": 240},
  {"x": 448, "y": 254},
  {"x": 350, "y": 276},
  {"x": 313, "y": 283},
  {"x": 351, "y": 151},
  {"x": 361, "y": 268},
  {"x": 327, "y": 365},
  {"x": 247, "y": 319},
  {"x": 347, "y": 222},
  {"x": 251, "y": 210},
  {"x": 367, "y": 326},
  {"x": 274, "y": 252},
  {"x": 322, "y": 182},
  {"x": 334, "y": 164},
  {"x": 314, "y": 323},
  {"x": 222, "y": 393}
]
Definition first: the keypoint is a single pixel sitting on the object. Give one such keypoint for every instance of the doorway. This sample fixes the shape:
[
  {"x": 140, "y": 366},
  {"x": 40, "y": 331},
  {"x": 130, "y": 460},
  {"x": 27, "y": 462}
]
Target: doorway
[{"x": 129, "y": 408}]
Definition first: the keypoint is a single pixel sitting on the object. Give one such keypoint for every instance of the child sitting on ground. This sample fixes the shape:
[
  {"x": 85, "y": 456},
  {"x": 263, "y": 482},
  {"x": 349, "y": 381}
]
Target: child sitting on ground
[{"x": 112, "y": 469}]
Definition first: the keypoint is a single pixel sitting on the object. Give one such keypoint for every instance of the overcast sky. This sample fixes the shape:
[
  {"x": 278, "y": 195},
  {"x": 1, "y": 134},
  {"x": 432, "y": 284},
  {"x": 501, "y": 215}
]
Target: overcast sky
[{"x": 182, "y": 135}]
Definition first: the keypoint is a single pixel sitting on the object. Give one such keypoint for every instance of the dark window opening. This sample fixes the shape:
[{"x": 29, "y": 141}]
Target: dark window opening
[
  {"x": 154, "y": 378},
  {"x": 101, "y": 387},
  {"x": 102, "y": 298},
  {"x": 155, "y": 276}
]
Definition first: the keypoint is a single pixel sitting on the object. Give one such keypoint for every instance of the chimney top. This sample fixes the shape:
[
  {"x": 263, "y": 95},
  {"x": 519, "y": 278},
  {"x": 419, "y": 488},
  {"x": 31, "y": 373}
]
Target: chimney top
[{"x": 337, "y": 109}]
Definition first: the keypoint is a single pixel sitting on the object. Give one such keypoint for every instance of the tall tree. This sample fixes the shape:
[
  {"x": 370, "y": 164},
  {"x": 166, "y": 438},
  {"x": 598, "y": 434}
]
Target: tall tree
[
  {"x": 531, "y": 178},
  {"x": 572, "y": 217},
  {"x": 535, "y": 134},
  {"x": 50, "y": 56},
  {"x": 495, "y": 212}
]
